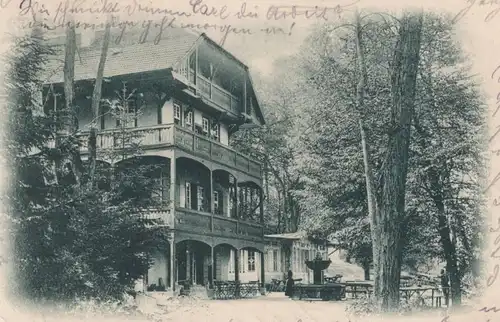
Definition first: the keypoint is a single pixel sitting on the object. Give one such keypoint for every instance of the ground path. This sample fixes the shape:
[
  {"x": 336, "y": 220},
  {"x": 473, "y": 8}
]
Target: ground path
[{"x": 274, "y": 307}]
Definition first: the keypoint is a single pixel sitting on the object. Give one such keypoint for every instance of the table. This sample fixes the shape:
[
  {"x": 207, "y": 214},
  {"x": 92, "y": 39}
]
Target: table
[
  {"x": 411, "y": 291},
  {"x": 355, "y": 287},
  {"x": 249, "y": 289},
  {"x": 224, "y": 290},
  {"x": 325, "y": 292}
]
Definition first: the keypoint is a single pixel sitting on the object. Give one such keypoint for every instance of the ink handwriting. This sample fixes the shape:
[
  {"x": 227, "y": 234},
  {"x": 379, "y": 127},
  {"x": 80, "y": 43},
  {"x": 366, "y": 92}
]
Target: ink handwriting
[
  {"x": 163, "y": 18},
  {"x": 490, "y": 15},
  {"x": 199, "y": 7},
  {"x": 495, "y": 252}
]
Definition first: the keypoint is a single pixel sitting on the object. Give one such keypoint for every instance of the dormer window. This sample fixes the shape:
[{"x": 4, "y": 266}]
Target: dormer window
[{"x": 177, "y": 113}]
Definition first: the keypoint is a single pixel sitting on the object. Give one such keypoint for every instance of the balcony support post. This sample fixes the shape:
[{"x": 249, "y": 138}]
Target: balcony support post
[
  {"x": 173, "y": 172},
  {"x": 236, "y": 199},
  {"x": 244, "y": 92},
  {"x": 196, "y": 69},
  {"x": 261, "y": 205},
  {"x": 262, "y": 270},
  {"x": 172, "y": 263},
  {"x": 211, "y": 199},
  {"x": 212, "y": 269},
  {"x": 236, "y": 265}
]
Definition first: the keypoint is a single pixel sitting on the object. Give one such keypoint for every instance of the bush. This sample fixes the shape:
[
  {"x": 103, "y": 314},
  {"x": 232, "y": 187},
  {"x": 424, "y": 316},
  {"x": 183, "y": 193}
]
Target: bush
[{"x": 365, "y": 306}]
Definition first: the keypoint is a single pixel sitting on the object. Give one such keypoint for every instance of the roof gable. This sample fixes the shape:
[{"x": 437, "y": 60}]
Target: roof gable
[
  {"x": 131, "y": 57},
  {"x": 126, "y": 58}
]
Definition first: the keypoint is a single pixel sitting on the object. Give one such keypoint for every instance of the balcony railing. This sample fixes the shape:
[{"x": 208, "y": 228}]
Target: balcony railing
[
  {"x": 205, "y": 223},
  {"x": 164, "y": 215},
  {"x": 169, "y": 135},
  {"x": 215, "y": 151},
  {"x": 215, "y": 93}
]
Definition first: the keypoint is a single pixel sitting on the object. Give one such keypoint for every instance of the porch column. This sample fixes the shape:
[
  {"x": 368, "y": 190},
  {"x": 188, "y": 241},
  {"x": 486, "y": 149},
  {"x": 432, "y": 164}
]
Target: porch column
[
  {"x": 262, "y": 269},
  {"x": 212, "y": 206},
  {"x": 236, "y": 265},
  {"x": 237, "y": 271},
  {"x": 212, "y": 269},
  {"x": 189, "y": 263},
  {"x": 172, "y": 263},
  {"x": 173, "y": 175},
  {"x": 261, "y": 194},
  {"x": 236, "y": 198}
]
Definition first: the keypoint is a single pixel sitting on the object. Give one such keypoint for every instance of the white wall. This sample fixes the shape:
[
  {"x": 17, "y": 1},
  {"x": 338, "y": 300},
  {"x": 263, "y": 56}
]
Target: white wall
[
  {"x": 148, "y": 112},
  {"x": 167, "y": 112},
  {"x": 224, "y": 134},
  {"x": 158, "y": 270}
]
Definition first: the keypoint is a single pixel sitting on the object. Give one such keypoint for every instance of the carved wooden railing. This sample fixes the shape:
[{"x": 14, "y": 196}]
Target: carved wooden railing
[
  {"x": 147, "y": 136},
  {"x": 170, "y": 134},
  {"x": 203, "y": 147},
  {"x": 218, "y": 95},
  {"x": 205, "y": 223},
  {"x": 164, "y": 214},
  {"x": 211, "y": 91}
]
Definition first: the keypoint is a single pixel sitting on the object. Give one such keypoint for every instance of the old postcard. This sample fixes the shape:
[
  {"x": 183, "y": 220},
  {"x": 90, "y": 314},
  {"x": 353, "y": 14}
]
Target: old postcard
[{"x": 258, "y": 160}]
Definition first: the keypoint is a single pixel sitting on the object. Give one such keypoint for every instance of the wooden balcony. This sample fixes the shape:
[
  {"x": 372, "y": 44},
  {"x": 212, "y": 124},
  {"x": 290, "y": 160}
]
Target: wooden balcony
[
  {"x": 216, "y": 94},
  {"x": 164, "y": 214},
  {"x": 173, "y": 135},
  {"x": 208, "y": 224}
]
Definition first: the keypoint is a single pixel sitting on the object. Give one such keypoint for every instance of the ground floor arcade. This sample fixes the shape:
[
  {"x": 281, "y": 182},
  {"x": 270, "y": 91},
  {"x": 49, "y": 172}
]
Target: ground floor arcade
[{"x": 205, "y": 260}]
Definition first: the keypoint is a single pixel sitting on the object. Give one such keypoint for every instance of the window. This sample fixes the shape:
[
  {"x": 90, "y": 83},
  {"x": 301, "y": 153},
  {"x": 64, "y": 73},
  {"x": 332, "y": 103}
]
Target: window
[
  {"x": 217, "y": 205},
  {"x": 177, "y": 113},
  {"x": 251, "y": 261},
  {"x": 200, "y": 198},
  {"x": 231, "y": 261},
  {"x": 204, "y": 125},
  {"x": 160, "y": 192},
  {"x": 295, "y": 259},
  {"x": 242, "y": 261},
  {"x": 275, "y": 260},
  {"x": 215, "y": 131},
  {"x": 188, "y": 118},
  {"x": 188, "y": 195},
  {"x": 128, "y": 114}
]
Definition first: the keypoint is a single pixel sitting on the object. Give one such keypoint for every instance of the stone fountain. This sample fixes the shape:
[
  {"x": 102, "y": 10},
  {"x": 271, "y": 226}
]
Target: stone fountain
[
  {"x": 319, "y": 290},
  {"x": 318, "y": 265}
]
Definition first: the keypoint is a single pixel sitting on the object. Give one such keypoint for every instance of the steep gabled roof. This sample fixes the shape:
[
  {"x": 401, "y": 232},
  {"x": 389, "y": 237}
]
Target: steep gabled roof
[
  {"x": 126, "y": 58},
  {"x": 129, "y": 57}
]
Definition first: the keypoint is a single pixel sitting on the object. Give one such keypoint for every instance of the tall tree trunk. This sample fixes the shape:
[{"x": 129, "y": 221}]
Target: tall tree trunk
[
  {"x": 370, "y": 185},
  {"x": 392, "y": 200},
  {"x": 96, "y": 100},
  {"x": 449, "y": 248},
  {"x": 70, "y": 118},
  {"x": 436, "y": 193}
]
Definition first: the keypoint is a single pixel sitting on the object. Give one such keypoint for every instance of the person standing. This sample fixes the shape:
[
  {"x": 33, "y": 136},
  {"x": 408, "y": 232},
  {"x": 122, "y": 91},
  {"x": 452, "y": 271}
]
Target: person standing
[
  {"x": 445, "y": 286},
  {"x": 289, "y": 284}
]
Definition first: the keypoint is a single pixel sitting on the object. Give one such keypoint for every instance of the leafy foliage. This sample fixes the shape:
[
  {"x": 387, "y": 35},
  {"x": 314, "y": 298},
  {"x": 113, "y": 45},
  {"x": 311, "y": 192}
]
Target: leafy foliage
[
  {"x": 312, "y": 138},
  {"x": 72, "y": 240}
]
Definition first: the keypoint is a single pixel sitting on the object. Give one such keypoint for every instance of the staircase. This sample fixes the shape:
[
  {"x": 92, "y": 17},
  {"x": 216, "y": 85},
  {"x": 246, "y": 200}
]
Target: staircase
[{"x": 198, "y": 291}]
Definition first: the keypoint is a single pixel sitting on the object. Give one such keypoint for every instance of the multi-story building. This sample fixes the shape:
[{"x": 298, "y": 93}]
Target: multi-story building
[
  {"x": 193, "y": 95},
  {"x": 185, "y": 97}
]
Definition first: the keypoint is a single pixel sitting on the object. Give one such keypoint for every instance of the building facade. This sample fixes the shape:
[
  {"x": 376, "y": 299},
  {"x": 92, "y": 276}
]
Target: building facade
[
  {"x": 185, "y": 97},
  {"x": 289, "y": 252}
]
